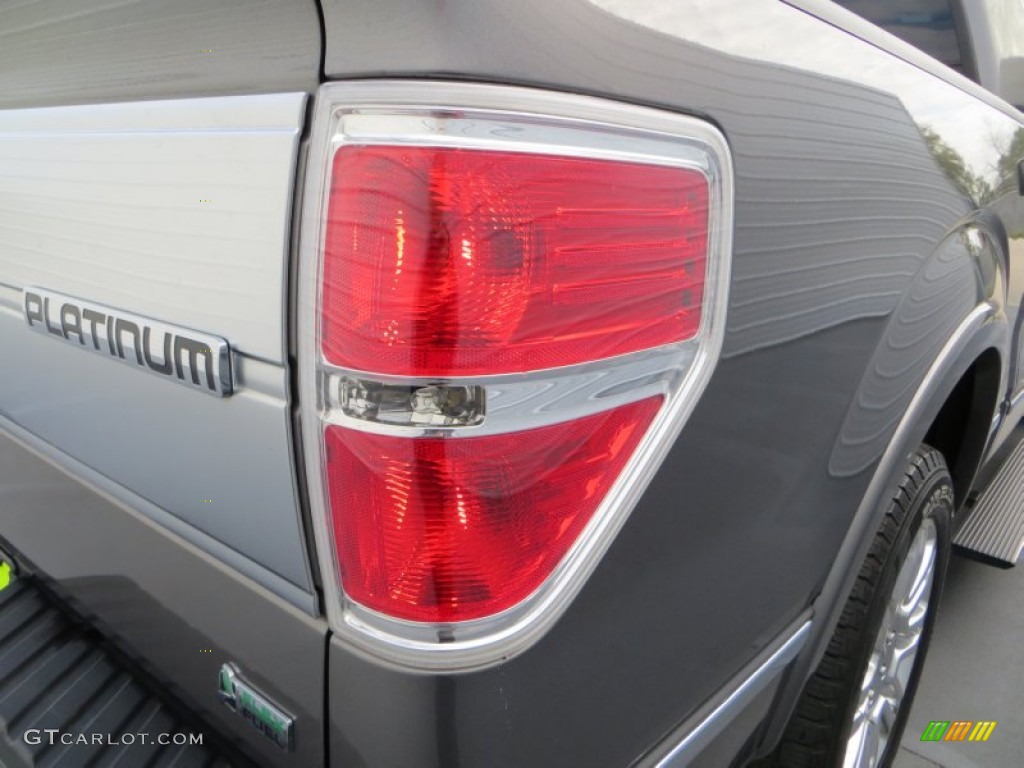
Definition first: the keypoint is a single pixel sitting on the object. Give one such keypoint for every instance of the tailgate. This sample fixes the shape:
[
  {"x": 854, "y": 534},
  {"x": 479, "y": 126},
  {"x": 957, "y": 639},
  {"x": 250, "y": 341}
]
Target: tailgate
[{"x": 163, "y": 509}]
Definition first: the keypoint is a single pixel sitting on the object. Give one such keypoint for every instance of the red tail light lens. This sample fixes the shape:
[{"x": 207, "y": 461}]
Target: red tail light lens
[
  {"x": 443, "y": 530},
  {"x": 459, "y": 262}
]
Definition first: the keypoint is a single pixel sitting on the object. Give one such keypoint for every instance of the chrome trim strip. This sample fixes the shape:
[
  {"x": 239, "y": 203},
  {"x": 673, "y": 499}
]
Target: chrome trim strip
[
  {"x": 513, "y": 131},
  {"x": 519, "y": 119},
  {"x": 163, "y": 349},
  {"x": 713, "y": 724},
  {"x": 1017, "y": 400}
]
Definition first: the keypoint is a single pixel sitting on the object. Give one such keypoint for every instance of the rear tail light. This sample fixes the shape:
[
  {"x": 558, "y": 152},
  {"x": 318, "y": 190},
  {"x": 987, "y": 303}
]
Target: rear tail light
[{"x": 508, "y": 309}]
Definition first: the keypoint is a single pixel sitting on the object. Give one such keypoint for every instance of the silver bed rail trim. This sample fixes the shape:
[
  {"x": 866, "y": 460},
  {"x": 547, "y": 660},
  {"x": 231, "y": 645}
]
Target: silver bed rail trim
[{"x": 712, "y": 724}]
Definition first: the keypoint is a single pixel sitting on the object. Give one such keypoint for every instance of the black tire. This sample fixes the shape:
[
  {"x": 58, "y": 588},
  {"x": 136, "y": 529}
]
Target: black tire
[{"x": 822, "y": 722}]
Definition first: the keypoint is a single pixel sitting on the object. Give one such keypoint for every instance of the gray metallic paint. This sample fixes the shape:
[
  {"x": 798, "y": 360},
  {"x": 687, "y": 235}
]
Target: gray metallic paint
[
  {"x": 105, "y": 200},
  {"x": 842, "y": 214},
  {"x": 106, "y": 203},
  {"x": 977, "y": 333},
  {"x": 59, "y": 52},
  {"x": 175, "y": 209},
  {"x": 846, "y": 227}
]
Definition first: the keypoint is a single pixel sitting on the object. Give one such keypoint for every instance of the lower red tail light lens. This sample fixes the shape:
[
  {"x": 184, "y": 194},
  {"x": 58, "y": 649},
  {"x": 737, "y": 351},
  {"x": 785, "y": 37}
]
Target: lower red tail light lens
[
  {"x": 445, "y": 530},
  {"x": 444, "y": 261}
]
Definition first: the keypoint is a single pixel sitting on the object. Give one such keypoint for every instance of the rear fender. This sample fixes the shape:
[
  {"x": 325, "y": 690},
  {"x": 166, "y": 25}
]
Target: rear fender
[{"x": 951, "y": 313}]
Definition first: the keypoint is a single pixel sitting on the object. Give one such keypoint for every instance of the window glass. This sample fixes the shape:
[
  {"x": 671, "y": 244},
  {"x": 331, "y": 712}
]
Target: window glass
[{"x": 925, "y": 24}]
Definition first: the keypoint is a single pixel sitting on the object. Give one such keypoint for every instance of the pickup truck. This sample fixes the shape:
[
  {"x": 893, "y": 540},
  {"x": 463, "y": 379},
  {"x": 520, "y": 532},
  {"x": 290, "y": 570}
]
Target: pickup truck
[{"x": 476, "y": 383}]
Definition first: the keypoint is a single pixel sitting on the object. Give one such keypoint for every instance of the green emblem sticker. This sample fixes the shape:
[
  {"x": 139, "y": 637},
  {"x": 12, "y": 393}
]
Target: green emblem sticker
[{"x": 241, "y": 698}]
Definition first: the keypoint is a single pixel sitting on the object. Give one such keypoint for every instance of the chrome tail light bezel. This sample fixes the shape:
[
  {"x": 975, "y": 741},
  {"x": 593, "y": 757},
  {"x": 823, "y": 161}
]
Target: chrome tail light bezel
[{"x": 523, "y": 120}]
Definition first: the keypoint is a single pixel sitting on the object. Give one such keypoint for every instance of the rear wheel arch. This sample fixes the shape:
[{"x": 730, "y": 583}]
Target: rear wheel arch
[
  {"x": 957, "y": 423},
  {"x": 970, "y": 363}
]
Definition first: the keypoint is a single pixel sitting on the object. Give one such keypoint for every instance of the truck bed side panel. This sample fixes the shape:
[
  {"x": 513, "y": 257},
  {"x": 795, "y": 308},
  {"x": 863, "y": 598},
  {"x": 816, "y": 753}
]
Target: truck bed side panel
[{"x": 844, "y": 218}]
